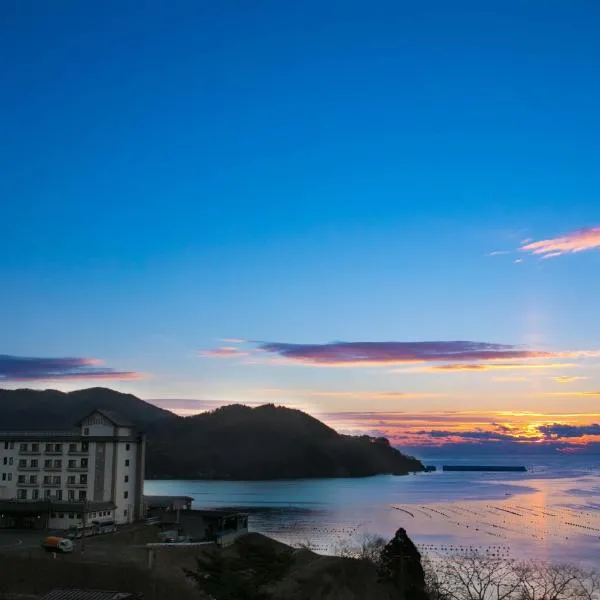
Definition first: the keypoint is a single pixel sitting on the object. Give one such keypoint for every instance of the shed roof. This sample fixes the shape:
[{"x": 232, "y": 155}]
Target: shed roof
[
  {"x": 65, "y": 594},
  {"x": 111, "y": 415},
  {"x": 166, "y": 501}
]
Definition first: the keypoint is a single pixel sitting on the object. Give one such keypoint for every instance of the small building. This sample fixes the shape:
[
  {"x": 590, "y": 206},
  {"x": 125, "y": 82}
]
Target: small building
[
  {"x": 65, "y": 479},
  {"x": 66, "y": 594},
  {"x": 155, "y": 505},
  {"x": 175, "y": 514}
]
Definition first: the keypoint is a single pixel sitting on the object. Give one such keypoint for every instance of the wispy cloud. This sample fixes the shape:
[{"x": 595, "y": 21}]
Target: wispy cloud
[
  {"x": 593, "y": 394},
  {"x": 348, "y": 354},
  {"x": 576, "y": 241},
  {"x": 19, "y": 368},
  {"x": 458, "y": 367},
  {"x": 348, "y": 394},
  {"x": 498, "y": 253},
  {"x": 567, "y": 379},
  {"x": 223, "y": 352}
]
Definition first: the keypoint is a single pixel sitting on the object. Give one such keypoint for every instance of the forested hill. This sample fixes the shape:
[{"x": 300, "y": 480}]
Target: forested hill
[
  {"x": 267, "y": 442},
  {"x": 232, "y": 442}
]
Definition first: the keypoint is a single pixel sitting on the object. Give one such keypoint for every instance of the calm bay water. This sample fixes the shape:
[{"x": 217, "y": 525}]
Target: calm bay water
[{"x": 550, "y": 512}]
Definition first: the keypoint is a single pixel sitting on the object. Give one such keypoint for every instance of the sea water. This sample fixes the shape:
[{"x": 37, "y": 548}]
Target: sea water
[{"x": 551, "y": 512}]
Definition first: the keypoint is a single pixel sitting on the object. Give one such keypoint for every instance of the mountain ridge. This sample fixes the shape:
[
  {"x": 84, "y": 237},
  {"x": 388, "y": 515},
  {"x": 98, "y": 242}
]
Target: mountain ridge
[{"x": 234, "y": 442}]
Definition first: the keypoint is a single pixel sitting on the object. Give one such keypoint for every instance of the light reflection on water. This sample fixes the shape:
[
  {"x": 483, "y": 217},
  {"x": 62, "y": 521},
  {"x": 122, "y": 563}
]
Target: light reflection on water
[{"x": 546, "y": 513}]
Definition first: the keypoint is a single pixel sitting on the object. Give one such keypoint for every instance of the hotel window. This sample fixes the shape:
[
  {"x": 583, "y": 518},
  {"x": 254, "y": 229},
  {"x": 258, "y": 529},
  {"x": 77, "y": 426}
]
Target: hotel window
[
  {"x": 85, "y": 446},
  {"x": 127, "y": 446},
  {"x": 127, "y": 463},
  {"x": 22, "y": 463},
  {"x": 35, "y": 494},
  {"x": 59, "y": 494},
  {"x": 56, "y": 480},
  {"x": 125, "y": 494},
  {"x": 71, "y": 515},
  {"x": 58, "y": 464},
  {"x": 82, "y": 494},
  {"x": 34, "y": 463},
  {"x": 22, "y": 494},
  {"x": 12, "y": 445},
  {"x": 72, "y": 464},
  {"x": 61, "y": 515},
  {"x": 70, "y": 479},
  {"x": 21, "y": 479},
  {"x": 57, "y": 447},
  {"x": 5, "y": 461},
  {"x": 47, "y": 493},
  {"x": 35, "y": 447},
  {"x": 48, "y": 463},
  {"x": 72, "y": 447},
  {"x": 125, "y": 513},
  {"x": 84, "y": 463},
  {"x": 33, "y": 479},
  {"x": 6, "y": 445},
  {"x": 3, "y": 476},
  {"x": 22, "y": 447},
  {"x": 83, "y": 478},
  {"x": 10, "y": 476},
  {"x": 86, "y": 431},
  {"x": 10, "y": 460},
  {"x": 71, "y": 494},
  {"x": 126, "y": 478},
  {"x": 49, "y": 447},
  {"x": 47, "y": 480}
]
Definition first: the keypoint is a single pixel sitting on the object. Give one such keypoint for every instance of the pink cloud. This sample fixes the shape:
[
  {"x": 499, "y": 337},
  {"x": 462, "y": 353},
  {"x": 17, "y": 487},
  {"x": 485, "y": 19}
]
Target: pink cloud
[
  {"x": 352, "y": 354},
  {"x": 576, "y": 241},
  {"x": 224, "y": 352},
  {"x": 457, "y": 367},
  {"x": 19, "y": 368}
]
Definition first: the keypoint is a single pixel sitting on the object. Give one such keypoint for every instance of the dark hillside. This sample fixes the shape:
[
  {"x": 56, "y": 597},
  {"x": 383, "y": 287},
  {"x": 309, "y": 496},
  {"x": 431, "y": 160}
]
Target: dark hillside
[
  {"x": 267, "y": 442},
  {"x": 53, "y": 410},
  {"x": 232, "y": 442}
]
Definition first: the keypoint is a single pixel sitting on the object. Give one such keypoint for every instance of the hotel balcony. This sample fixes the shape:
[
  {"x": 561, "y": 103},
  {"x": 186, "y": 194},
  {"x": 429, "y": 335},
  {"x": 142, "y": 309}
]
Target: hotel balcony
[
  {"x": 27, "y": 468},
  {"x": 77, "y": 485},
  {"x": 29, "y": 452}
]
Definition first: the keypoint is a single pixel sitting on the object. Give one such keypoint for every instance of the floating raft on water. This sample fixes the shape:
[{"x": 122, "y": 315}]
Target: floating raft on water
[{"x": 512, "y": 469}]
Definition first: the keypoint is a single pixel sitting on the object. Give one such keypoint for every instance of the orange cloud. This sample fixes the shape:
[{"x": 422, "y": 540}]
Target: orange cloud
[
  {"x": 566, "y": 379},
  {"x": 576, "y": 241},
  {"x": 457, "y": 367},
  {"x": 578, "y": 394}
]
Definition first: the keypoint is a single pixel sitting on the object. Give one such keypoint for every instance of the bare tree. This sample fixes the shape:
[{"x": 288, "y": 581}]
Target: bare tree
[
  {"x": 478, "y": 577},
  {"x": 371, "y": 547},
  {"x": 542, "y": 581}
]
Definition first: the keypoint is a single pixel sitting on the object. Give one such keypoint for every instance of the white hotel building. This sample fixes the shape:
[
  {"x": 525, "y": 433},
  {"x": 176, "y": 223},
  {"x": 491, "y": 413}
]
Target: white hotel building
[{"x": 56, "y": 480}]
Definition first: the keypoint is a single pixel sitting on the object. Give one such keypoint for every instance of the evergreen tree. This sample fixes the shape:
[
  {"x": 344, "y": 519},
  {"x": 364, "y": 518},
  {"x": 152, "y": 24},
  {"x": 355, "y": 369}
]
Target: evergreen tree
[{"x": 401, "y": 565}]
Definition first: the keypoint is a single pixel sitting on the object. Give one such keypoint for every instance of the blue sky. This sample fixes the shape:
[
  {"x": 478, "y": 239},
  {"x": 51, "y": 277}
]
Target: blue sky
[{"x": 303, "y": 173}]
